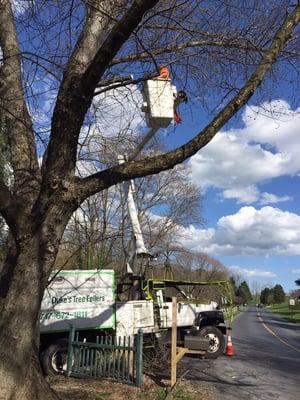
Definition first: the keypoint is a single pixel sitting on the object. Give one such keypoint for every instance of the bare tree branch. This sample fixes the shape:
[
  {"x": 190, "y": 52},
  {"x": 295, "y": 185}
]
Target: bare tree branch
[
  {"x": 226, "y": 43},
  {"x": 111, "y": 176}
]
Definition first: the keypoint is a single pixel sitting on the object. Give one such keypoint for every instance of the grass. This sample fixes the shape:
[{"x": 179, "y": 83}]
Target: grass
[
  {"x": 179, "y": 393},
  {"x": 287, "y": 312}
]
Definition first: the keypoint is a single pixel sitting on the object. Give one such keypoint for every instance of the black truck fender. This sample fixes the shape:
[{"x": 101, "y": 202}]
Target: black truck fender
[{"x": 211, "y": 318}]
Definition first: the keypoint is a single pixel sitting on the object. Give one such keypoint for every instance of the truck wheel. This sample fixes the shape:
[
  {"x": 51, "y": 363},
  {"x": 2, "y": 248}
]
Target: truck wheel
[
  {"x": 54, "y": 358},
  {"x": 216, "y": 341}
]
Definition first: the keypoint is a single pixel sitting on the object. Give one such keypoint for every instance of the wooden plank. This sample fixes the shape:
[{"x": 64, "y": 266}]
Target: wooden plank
[
  {"x": 200, "y": 352},
  {"x": 181, "y": 351}
]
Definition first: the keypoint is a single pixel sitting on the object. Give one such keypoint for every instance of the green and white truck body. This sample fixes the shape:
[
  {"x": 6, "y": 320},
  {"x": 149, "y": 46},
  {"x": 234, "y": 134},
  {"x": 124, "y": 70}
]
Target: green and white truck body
[{"x": 85, "y": 299}]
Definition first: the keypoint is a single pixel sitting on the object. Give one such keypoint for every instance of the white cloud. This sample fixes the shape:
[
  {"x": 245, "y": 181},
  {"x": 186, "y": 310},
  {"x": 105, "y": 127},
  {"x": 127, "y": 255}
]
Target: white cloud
[
  {"x": 21, "y": 6},
  {"x": 118, "y": 110},
  {"x": 296, "y": 271},
  {"x": 251, "y": 194},
  {"x": 269, "y": 198},
  {"x": 252, "y": 272},
  {"x": 238, "y": 160},
  {"x": 114, "y": 123},
  {"x": 247, "y": 195},
  {"x": 250, "y": 231}
]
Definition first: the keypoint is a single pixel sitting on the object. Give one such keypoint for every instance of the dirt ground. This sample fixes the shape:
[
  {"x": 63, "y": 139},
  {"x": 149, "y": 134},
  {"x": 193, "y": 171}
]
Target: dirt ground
[{"x": 88, "y": 389}]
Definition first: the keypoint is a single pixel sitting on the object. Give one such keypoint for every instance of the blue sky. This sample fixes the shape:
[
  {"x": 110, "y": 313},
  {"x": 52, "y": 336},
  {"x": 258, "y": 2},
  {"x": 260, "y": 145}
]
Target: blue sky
[{"x": 249, "y": 176}]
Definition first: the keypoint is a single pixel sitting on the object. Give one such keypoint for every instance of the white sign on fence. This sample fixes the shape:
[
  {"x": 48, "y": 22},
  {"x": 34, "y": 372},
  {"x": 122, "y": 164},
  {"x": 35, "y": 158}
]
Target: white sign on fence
[{"x": 292, "y": 302}]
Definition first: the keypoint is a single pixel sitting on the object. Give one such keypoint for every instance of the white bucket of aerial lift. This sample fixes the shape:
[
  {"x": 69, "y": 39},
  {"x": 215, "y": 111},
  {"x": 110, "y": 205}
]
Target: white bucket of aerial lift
[{"x": 159, "y": 97}]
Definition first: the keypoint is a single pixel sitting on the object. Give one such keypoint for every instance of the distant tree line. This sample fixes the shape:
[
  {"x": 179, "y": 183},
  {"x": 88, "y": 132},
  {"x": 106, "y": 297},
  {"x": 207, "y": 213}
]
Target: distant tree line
[
  {"x": 241, "y": 292},
  {"x": 273, "y": 295}
]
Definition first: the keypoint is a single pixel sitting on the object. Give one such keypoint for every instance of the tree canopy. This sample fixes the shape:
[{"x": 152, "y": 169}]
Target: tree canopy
[
  {"x": 279, "y": 294},
  {"x": 272, "y": 295},
  {"x": 244, "y": 292}
]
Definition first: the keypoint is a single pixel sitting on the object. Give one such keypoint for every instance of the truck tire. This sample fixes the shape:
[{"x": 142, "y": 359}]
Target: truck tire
[
  {"x": 216, "y": 341},
  {"x": 54, "y": 358}
]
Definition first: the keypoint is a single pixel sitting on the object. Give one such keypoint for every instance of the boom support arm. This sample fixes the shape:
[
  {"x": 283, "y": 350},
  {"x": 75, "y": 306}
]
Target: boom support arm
[{"x": 139, "y": 249}]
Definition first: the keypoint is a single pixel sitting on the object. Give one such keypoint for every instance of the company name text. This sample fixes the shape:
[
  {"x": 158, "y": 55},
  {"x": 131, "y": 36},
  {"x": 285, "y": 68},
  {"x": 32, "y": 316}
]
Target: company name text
[{"x": 77, "y": 299}]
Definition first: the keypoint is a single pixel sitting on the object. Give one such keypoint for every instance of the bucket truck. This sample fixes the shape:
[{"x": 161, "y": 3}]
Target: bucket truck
[{"x": 90, "y": 301}]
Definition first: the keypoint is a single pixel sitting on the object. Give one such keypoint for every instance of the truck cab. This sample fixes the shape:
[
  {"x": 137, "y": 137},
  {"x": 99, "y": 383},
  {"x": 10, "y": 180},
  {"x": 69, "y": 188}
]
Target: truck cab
[{"x": 197, "y": 319}]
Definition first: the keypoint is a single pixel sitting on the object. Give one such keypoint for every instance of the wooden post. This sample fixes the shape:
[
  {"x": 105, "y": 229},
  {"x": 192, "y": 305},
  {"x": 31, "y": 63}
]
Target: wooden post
[{"x": 174, "y": 342}]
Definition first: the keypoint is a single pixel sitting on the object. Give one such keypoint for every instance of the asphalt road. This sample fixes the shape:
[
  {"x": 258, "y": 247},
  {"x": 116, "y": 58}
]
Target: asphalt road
[{"x": 267, "y": 361}]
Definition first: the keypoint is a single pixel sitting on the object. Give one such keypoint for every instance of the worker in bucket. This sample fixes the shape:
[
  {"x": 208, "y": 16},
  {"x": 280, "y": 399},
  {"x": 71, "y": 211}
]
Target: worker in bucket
[
  {"x": 164, "y": 73},
  {"x": 179, "y": 97}
]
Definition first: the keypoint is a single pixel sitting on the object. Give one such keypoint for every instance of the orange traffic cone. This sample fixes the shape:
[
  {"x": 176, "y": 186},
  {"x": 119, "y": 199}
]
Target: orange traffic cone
[{"x": 229, "y": 347}]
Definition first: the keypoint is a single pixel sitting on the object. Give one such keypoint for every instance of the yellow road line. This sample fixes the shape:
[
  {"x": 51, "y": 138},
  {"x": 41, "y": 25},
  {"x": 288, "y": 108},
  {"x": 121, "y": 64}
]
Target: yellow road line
[{"x": 275, "y": 335}]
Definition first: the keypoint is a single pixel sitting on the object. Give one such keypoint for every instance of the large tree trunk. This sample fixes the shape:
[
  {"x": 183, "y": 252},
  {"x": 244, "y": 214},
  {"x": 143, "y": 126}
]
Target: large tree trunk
[
  {"x": 15, "y": 385},
  {"x": 21, "y": 377}
]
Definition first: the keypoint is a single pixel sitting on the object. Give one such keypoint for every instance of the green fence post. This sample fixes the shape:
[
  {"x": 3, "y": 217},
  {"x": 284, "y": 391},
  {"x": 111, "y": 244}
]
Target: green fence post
[
  {"x": 139, "y": 358},
  {"x": 70, "y": 351}
]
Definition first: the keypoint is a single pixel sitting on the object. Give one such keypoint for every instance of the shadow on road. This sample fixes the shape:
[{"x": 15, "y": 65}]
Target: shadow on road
[
  {"x": 283, "y": 324},
  {"x": 211, "y": 377}
]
